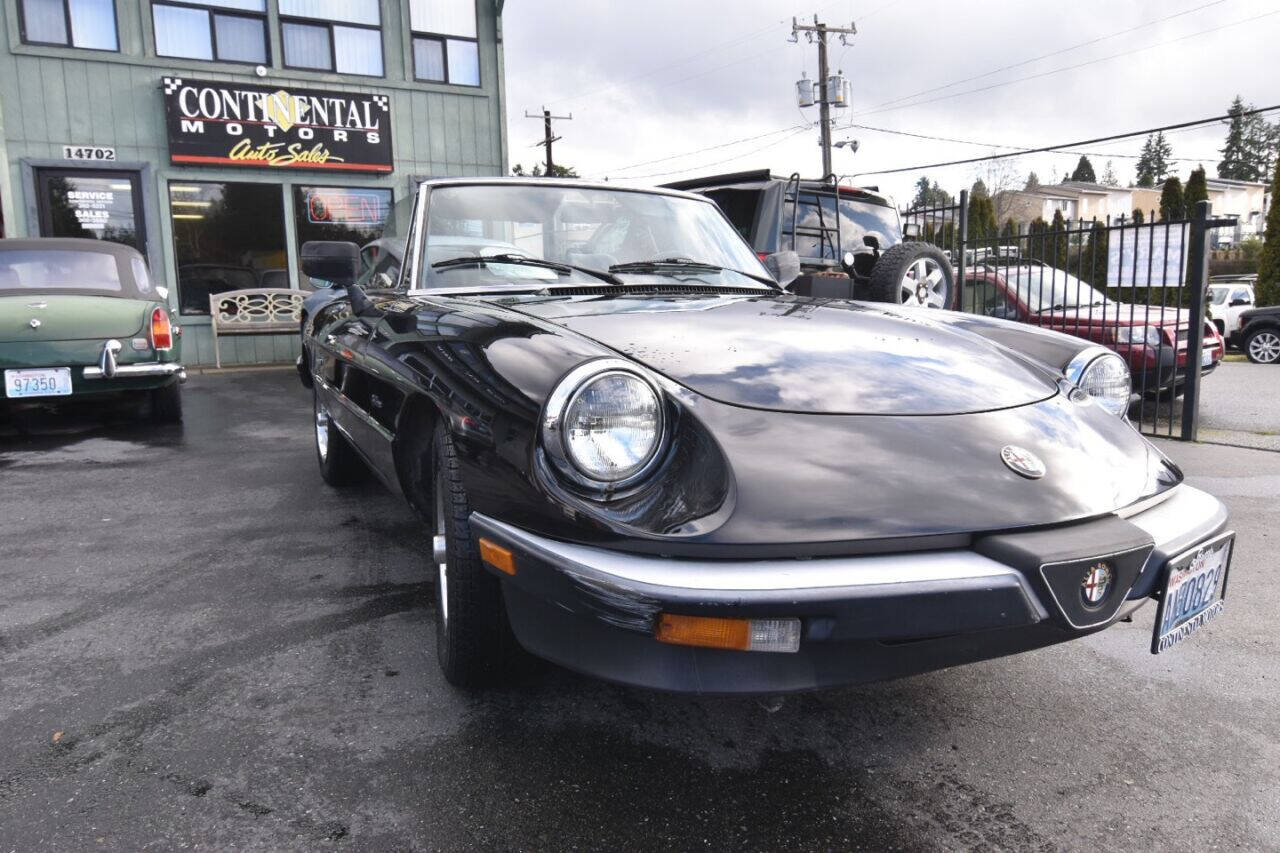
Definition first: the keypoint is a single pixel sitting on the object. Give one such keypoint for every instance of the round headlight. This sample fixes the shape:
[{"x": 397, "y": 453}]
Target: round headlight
[
  {"x": 604, "y": 424},
  {"x": 1107, "y": 380}
]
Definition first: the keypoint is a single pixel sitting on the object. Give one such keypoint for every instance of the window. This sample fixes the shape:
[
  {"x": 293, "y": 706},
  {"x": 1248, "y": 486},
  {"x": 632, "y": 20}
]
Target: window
[
  {"x": 225, "y": 30},
  {"x": 445, "y": 49},
  {"x": 225, "y": 237},
  {"x": 340, "y": 213},
  {"x": 91, "y": 204},
  {"x": 89, "y": 24},
  {"x": 332, "y": 35}
]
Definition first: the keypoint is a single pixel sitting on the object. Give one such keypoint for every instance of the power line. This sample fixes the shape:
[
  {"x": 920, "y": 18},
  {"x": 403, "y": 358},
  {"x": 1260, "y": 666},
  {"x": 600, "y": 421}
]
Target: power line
[
  {"x": 805, "y": 126},
  {"x": 1020, "y": 148},
  {"x": 1065, "y": 68},
  {"x": 1049, "y": 148},
  {"x": 1059, "y": 52},
  {"x": 795, "y": 132}
]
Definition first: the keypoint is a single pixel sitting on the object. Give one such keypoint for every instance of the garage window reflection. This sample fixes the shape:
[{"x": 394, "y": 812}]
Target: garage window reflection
[
  {"x": 226, "y": 236},
  {"x": 339, "y": 213}
]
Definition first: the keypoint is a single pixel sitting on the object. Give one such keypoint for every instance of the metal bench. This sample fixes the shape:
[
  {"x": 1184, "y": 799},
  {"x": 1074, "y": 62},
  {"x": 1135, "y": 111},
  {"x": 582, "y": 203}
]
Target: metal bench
[{"x": 259, "y": 311}]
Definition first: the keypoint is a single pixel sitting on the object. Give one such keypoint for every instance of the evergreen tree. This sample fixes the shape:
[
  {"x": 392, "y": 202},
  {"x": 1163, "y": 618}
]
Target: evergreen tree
[
  {"x": 1010, "y": 228},
  {"x": 1093, "y": 256},
  {"x": 1269, "y": 259},
  {"x": 1146, "y": 172},
  {"x": 1138, "y": 217},
  {"x": 1109, "y": 178},
  {"x": 1197, "y": 190},
  {"x": 1235, "y": 164},
  {"x": 1033, "y": 182},
  {"x": 929, "y": 194},
  {"x": 979, "y": 190},
  {"x": 1084, "y": 171},
  {"x": 1036, "y": 244},
  {"x": 982, "y": 219},
  {"x": 1171, "y": 200},
  {"x": 1059, "y": 246}
]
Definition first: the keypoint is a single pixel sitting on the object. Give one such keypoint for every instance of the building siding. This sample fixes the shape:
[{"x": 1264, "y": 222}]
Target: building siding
[{"x": 51, "y": 97}]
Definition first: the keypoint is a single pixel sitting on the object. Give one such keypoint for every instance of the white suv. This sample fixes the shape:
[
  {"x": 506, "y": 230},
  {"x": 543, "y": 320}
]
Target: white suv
[{"x": 1229, "y": 297}]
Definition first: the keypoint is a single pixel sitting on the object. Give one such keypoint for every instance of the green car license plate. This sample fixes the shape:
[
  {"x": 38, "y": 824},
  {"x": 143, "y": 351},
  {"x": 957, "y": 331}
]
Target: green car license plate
[
  {"x": 1194, "y": 587},
  {"x": 42, "y": 382}
]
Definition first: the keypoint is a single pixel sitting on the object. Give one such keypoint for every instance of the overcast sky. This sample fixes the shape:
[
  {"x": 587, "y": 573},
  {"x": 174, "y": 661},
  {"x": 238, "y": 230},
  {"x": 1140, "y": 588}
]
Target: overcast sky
[{"x": 651, "y": 80}]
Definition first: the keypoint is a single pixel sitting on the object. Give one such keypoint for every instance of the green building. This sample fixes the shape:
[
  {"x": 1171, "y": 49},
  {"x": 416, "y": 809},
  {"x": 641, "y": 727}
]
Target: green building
[{"x": 217, "y": 136}]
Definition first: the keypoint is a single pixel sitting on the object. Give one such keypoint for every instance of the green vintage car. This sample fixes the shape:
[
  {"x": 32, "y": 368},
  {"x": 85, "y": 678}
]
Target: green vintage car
[{"x": 81, "y": 319}]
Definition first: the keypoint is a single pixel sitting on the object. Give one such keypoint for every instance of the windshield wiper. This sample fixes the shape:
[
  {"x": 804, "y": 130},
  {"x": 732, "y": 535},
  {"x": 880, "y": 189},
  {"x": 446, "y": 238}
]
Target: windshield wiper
[
  {"x": 659, "y": 265},
  {"x": 525, "y": 260}
]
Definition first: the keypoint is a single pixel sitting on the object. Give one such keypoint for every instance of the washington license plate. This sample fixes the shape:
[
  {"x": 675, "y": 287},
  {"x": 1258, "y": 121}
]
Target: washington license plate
[
  {"x": 44, "y": 382},
  {"x": 1194, "y": 588},
  {"x": 1206, "y": 357}
]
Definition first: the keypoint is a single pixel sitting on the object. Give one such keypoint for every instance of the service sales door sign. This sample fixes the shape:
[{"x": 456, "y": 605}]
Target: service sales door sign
[{"x": 239, "y": 124}]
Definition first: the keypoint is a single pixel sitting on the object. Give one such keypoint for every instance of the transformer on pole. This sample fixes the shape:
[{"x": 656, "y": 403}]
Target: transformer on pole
[{"x": 829, "y": 90}]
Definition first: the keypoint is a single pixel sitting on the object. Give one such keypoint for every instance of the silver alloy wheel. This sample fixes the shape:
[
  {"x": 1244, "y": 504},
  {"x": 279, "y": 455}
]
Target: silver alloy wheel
[
  {"x": 440, "y": 550},
  {"x": 322, "y": 432},
  {"x": 924, "y": 284},
  {"x": 1264, "y": 347}
]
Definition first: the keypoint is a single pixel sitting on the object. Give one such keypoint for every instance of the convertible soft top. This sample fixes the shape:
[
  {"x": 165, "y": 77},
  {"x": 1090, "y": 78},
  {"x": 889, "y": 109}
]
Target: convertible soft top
[{"x": 131, "y": 273}]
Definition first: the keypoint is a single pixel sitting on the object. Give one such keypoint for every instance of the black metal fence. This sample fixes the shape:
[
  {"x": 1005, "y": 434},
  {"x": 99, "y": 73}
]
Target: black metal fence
[{"x": 1135, "y": 287}]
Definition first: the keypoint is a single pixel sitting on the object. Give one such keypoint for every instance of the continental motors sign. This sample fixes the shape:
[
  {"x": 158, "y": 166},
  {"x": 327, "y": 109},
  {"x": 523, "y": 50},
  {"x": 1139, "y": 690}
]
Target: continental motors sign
[{"x": 214, "y": 123}]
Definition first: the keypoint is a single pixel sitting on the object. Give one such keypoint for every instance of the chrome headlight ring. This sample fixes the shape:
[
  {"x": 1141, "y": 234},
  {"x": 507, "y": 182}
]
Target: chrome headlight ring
[
  {"x": 561, "y": 400},
  {"x": 1085, "y": 362}
]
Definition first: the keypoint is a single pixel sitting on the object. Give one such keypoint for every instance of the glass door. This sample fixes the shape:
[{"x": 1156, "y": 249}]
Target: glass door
[{"x": 98, "y": 205}]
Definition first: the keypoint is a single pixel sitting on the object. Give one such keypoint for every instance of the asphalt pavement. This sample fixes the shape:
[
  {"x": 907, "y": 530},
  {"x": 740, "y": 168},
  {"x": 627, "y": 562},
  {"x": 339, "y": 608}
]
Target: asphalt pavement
[
  {"x": 1240, "y": 404},
  {"x": 203, "y": 647}
]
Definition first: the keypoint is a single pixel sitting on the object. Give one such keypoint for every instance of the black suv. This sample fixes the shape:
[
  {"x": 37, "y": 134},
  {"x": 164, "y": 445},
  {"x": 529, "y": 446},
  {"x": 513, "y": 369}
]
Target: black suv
[
  {"x": 1259, "y": 335},
  {"x": 849, "y": 239}
]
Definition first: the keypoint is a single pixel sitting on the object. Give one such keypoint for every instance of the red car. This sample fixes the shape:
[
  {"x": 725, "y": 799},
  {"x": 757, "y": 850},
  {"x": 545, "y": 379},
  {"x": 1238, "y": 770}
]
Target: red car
[{"x": 1153, "y": 340}]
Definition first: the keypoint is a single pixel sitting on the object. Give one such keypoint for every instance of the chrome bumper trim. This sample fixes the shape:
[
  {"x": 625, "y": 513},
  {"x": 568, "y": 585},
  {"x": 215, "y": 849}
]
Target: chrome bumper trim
[
  {"x": 126, "y": 371},
  {"x": 1185, "y": 517},
  {"x": 874, "y": 574}
]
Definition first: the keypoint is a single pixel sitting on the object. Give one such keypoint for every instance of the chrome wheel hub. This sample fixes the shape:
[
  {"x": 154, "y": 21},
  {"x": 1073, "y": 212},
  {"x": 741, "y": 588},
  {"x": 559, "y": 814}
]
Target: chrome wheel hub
[
  {"x": 322, "y": 432},
  {"x": 440, "y": 551},
  {"x": 1265, "y": 347},
  {"x": 924, "y": 284}
]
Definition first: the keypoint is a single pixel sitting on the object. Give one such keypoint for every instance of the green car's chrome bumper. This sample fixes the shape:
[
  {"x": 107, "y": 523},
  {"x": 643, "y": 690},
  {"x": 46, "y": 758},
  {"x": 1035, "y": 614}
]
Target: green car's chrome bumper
[{"x": 130, "y": 371}]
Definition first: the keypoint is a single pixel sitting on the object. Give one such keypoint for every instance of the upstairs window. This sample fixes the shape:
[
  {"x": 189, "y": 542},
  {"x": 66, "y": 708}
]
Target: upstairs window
[
  {"x": 89, "y": 24},
  {"x": 332, "y": 35},
  {"x": 445, "y": 49},
  {"x": 225, "y": 30}
]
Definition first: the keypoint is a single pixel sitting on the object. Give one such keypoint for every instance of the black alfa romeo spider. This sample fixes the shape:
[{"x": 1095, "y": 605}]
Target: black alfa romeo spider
[{"x": 642, "y": 458}]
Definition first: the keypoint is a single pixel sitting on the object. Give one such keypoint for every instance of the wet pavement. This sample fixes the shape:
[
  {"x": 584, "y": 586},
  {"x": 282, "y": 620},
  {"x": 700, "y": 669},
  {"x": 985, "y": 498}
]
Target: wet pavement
[{"x": 202, "y": 646}]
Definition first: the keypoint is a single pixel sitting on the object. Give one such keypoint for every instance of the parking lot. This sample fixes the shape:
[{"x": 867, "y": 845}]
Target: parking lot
[{"x": 201, "y": 646}]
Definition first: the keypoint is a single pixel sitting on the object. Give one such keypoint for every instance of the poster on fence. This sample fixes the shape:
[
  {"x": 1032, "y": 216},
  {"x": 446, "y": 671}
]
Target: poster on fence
[{"x": 1147, "y": 255}]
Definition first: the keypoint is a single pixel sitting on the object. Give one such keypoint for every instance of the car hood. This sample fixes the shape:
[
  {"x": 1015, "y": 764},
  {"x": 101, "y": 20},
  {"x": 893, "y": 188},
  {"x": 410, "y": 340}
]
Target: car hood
[
  {"x": 794, "y": 354},
  {"x": 69, "y": 318}
]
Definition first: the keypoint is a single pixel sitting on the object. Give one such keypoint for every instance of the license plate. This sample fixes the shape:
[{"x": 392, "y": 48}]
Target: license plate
[
  {"x": 1206, "y": 357},
  {"x": 45, "y": 382},
  {"x": 1194, "y": 587}
]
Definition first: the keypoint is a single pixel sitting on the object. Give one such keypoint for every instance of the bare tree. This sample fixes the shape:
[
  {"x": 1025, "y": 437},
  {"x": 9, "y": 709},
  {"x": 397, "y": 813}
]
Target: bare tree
[{"x": 1002, "y": 178}]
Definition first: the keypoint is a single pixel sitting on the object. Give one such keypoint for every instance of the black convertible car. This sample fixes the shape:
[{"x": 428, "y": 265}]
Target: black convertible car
[{"x": 642, "y": 459}]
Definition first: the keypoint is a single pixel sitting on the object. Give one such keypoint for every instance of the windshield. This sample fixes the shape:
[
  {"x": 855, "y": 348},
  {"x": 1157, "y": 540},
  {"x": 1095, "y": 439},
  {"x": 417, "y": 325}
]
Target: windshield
[
  {"x": 1044, "y": 288},
  {"x": 54, "y": 269},
  {"x": 1218, "y": 295},
  {"x": 544, "y": 235}
]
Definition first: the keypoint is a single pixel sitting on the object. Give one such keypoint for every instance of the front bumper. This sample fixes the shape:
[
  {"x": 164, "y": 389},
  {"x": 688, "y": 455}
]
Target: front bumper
[{"x": 864, "y": 618}]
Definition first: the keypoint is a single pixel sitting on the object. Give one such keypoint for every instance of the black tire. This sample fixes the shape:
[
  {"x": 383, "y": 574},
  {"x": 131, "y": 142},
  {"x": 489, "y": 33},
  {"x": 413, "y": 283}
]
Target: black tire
[
  {"x": 1262, "y": 346},
  {"x": 166, "y": 404},
  {"x": 474, "y": 643},
  {"x": 890, "y": 281},
  {"x": 340, "y": 465}
]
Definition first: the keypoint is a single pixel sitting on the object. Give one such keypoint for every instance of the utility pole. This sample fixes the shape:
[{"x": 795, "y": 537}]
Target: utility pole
[
  {"x": 818, "y": 31},
  {"x": 547, "y": 138}
]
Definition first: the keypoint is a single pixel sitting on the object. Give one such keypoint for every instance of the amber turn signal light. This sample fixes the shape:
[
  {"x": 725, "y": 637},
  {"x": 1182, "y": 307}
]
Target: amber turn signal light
[
  {"x": 745, "y": 635},
  {"x": 497, "y": 556}
]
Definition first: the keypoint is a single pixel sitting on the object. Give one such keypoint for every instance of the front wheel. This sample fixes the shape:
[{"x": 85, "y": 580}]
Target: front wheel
[
  {"x": 913, "y": 274},
  {"x": 1262, "y": 346},
  {"x": 474, "y": 643},
  {"x": 339, "y": 464}
]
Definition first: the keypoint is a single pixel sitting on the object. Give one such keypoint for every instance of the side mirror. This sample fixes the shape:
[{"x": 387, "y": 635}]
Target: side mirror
[
  {"x": 336, "y": 263},
  {"x": 783, "y": 266},
  {"x": 872, "y": 241},
  {"x": 911, "y": 231}
]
